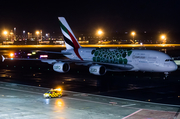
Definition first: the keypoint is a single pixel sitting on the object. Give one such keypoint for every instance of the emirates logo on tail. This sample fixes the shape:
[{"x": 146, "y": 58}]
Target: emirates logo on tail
[{"x": 69, "y": 37}]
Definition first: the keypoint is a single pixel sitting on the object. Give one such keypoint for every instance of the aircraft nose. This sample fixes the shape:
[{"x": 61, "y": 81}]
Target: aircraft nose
[{"x": 174, "y": 66}]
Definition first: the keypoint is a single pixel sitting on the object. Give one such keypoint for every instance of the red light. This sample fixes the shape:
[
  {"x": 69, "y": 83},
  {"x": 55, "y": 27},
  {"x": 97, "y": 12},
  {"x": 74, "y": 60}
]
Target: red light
[{"x": 43, "y": 56}]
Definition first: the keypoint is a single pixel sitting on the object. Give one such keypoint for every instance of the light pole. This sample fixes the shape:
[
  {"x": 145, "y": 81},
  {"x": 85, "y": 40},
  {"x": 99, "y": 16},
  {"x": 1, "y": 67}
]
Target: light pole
[
  {"x": 37, "y": 32},
  {"x": 100, "y": 33},
  {"x": 163, "y": 37},
  {"x": 5, "y": 34},
  {"x": 133, "y": 33}
]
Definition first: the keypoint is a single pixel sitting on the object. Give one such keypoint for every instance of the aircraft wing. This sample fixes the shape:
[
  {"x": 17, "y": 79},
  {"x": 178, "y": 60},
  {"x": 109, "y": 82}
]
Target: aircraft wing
[
  {"x": 63, "y": 53},
  {"x": 109, "y": 66}
]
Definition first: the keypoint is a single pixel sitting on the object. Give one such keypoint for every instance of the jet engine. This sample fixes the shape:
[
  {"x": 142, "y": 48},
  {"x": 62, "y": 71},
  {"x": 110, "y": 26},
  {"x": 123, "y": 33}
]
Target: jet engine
[
  {"x": 61, "y": 67},
  {"x": 97, "y": 70}
]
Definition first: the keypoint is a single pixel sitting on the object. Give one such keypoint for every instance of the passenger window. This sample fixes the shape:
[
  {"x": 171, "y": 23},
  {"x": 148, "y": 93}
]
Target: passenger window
[{"x": 168, "y": 60}]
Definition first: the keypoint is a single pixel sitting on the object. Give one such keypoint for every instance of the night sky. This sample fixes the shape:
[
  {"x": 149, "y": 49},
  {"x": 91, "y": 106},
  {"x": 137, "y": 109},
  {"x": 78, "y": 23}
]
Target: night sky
[{"x": 87, "y": 16}]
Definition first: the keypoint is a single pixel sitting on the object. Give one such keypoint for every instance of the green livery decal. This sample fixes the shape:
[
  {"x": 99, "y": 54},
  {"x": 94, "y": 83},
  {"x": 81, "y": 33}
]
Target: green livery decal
[{"x": 117, "y": 56}]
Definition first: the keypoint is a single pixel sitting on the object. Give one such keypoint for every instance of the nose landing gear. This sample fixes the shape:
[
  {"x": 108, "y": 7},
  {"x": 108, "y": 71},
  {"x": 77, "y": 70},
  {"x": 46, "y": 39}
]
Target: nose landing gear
[{"x": 165, "y": 75}]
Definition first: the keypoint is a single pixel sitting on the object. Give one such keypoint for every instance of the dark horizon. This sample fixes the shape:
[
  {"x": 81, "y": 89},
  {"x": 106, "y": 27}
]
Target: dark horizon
[{"x": 88, "y": 16}]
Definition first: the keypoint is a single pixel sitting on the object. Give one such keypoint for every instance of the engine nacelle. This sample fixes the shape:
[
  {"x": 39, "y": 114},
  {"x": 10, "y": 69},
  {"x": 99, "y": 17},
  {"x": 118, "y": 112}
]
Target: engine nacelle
[
  {"x": 61, "y": 67},
  {"x": 97, "y": 70}
]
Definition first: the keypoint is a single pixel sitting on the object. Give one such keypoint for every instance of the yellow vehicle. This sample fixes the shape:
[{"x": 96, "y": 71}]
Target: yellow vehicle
[{"x": 53, "y": 93}]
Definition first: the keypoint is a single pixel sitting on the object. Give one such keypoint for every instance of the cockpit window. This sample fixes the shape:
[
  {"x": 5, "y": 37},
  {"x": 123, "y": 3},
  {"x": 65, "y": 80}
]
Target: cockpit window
[{"x": 168, "y": 60}]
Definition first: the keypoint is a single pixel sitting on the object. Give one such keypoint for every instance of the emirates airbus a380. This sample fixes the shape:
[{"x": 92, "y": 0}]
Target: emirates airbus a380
[{"x": 101, "y": 60}]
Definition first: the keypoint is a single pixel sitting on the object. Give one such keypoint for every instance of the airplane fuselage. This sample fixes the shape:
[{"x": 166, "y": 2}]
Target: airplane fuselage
[{"x": 141, "y": 60}]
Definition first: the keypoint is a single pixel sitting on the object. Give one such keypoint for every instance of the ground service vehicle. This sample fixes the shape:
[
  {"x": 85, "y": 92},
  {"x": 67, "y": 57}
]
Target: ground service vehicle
[{"x": 52, "y": 93}]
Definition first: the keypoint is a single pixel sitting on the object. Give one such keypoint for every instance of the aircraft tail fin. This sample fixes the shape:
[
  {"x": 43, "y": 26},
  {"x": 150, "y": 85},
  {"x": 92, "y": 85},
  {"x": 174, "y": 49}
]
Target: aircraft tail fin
[{"x": 70, "y": 40}]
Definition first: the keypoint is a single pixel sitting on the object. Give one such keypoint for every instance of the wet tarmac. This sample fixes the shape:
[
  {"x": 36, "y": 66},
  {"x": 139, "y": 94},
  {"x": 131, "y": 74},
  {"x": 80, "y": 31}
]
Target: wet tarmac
[{"x": 24, "y": 101}]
